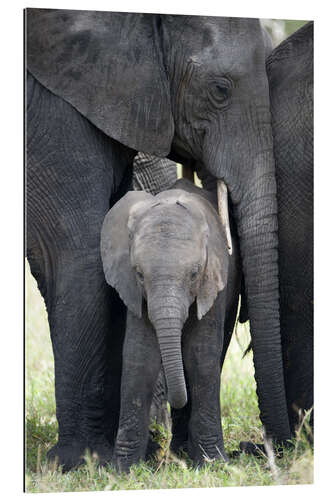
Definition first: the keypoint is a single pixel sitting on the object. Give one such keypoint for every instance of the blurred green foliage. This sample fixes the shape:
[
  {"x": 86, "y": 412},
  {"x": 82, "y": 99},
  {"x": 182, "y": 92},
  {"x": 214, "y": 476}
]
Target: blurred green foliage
[
  {"x": 291, "y": 26},
  {"x": 279, "y": 29}
]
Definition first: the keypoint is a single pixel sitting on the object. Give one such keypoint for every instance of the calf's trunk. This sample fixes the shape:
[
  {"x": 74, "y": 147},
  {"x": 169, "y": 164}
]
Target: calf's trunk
[{"x": 168, "y": 325}]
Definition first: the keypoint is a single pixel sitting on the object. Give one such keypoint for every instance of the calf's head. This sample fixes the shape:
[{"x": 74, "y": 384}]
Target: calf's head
[{"x": 169, "y": 250}]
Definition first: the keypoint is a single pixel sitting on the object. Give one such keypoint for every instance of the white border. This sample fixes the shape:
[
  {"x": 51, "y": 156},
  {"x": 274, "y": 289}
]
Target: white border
[{"x": 11, "y": 377}]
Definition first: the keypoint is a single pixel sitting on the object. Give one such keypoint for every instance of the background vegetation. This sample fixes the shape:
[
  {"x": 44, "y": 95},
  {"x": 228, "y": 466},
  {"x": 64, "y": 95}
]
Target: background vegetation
[
  {"x": 280, "y": 29},
  {"x": 240, "y": 417}
]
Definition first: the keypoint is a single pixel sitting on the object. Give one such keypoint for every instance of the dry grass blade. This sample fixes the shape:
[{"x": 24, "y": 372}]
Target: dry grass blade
[
  {"x": 271, "y": 460},
  {"x": 303, "y": 425},
  {"x": 172, "y": 458},
  {"x": 38, "y": 465}
]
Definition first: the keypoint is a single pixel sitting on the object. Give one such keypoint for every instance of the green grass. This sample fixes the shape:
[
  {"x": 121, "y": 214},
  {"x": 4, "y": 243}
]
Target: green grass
[{"x": 240, "y": 421}]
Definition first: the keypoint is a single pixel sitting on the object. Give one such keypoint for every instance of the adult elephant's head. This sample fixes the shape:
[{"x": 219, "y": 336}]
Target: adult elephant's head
[{"x": 195, "y": 86}]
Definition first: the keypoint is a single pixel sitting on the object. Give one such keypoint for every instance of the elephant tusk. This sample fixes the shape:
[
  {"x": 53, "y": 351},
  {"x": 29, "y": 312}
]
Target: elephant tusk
[{"x": 222, "y": 199}]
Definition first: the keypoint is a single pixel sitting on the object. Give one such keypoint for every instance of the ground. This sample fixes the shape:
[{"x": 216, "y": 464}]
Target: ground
[{"x": 240, "y": 420}]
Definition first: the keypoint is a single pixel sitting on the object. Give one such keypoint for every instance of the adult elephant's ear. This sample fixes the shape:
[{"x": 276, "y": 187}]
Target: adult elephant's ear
[
  {"x": 215, "y": 276},
  {"x": 109, "y": 66},
  {"x": 115, "y": 246}
]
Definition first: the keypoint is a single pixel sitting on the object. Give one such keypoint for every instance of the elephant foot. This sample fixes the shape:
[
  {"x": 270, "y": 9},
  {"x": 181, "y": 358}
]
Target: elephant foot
[
  {"x": 68, "y": 456},
  {"x": 123, "y": 462},
  {"x": 178, "y": 445},
  {"x": 103, "y": 452},
  {"x": 258, "y": 450},
  {"x": 71, "y": 455},
  {"x": 255, "y": 449},
  {"x": 202, "y": 460},
  {"x": 152, "y": 446},
  {"x": 127, "y": 454},
  {"x": 202, "y": 452}
]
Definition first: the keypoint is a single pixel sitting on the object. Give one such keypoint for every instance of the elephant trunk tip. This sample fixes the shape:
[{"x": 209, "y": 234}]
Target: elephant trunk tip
[{"x": 178, "y": 401}]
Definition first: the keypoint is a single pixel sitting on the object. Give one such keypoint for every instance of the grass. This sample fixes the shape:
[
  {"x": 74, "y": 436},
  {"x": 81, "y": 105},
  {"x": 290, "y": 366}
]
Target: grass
[{"x": 240, "y": 420}]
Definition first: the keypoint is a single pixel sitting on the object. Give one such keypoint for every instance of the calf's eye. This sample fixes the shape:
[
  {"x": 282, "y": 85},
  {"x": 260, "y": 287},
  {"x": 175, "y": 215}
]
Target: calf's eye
[
  {"x": 195, "y": 274},
  {"x": 140, "y": 275}
]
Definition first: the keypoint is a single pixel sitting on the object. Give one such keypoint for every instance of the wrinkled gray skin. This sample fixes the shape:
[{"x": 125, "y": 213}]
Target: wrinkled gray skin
[
  {"x": 102, "y": 86},
  {"x": 290, "y": 72},
  {"x": 153, "y": 174},
  {"x": 171, "y": 266}
]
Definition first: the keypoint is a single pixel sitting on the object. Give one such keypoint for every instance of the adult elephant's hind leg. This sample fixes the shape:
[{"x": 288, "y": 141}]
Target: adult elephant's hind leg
[{"x": 72, "y": 171}]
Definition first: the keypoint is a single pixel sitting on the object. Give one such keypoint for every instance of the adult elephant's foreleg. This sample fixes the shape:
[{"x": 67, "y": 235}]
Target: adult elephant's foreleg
[
  {"x": 73, "y": 170},
  {"x": 79, "y": 305},
  {"x": 80, "y": 320}
]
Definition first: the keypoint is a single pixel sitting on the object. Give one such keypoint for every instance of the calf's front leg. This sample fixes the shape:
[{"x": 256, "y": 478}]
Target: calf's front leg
[
  {"x": 202, "y": 348},
  {"x": 141, "y": 365}
]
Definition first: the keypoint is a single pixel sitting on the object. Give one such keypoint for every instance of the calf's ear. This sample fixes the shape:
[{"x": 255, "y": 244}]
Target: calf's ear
[
  {"x": 215, "y": 275},
  {"x": 115, "y": 248}
]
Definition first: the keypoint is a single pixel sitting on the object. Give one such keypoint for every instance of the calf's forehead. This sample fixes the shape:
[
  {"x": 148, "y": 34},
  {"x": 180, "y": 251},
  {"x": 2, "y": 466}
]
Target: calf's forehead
[{"x": 169, "y": 231}]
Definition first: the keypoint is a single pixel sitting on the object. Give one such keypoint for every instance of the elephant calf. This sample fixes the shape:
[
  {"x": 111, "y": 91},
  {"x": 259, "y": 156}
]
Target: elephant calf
[{"x": 172, "y": 251}]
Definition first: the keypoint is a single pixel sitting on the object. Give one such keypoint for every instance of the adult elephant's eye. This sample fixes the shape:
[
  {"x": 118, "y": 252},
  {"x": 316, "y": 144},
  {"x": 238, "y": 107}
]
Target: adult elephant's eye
[{"x": 222, "y": 91}]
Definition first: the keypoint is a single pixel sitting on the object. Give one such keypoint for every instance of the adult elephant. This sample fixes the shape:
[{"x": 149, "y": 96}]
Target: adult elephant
[
  {"x": 290, "y": 74},
  {"x": 102, "y": 86}
]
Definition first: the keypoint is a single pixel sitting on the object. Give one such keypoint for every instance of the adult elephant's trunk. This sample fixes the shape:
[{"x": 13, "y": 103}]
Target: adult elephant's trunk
[
  {"x": 168, "y": 320},
  {"x": 247, "y": 167},
  {"x": 256, "y": 216}
]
